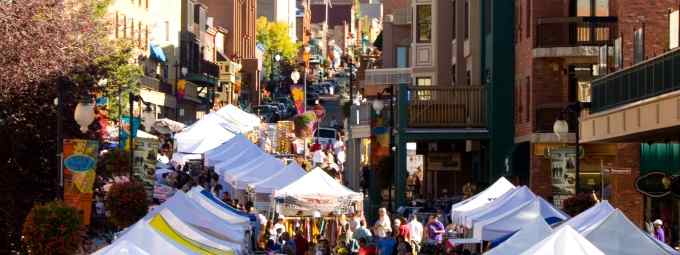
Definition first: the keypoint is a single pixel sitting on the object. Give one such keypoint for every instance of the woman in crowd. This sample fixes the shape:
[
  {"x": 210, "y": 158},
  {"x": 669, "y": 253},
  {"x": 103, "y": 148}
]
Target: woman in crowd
[{"x": 382, "y": 225}]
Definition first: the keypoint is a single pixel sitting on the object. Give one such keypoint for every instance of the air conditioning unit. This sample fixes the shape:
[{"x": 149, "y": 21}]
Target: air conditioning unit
[{"x": 389, "y": 18}]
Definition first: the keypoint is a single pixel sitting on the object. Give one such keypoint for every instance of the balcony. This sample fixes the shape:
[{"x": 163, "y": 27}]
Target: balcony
[
  {"x": 446, "y": 107},
  {"x": 401, "y": 16},
  {"x": 386, "y": 76},
  {"x": 205, "y": 74},
  {"x": 575, "y": 31},
  {"x": 545, "y": 116},
  {"x": 643, "y": 81}
]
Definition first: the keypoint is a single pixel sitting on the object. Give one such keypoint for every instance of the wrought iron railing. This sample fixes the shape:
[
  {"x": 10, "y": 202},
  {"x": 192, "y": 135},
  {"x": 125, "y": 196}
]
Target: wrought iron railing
[
  {"x": 645, "y": 80},
  {"x": 575, "y": 31},
  {"x": 447, "y": 106}
]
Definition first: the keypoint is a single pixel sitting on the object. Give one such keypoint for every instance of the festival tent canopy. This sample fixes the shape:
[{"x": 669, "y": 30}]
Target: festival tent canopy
[
  {"x": 529, "y": 235},
  {"x": 317, "y": 191},
  {"x": 204, "y": 135},
  {"x": 179, "y": 158},
  {"x": 506, "y": 202},
  {"x": 230, "y": 216},
  {"x": 565, "y": 241},
  {"x": 500, "y": 187},
  {"x": 617, "y": 235},
  {"x": 142, "y": 239},
  {"x": 280, "y": 179},
  {"x": 589, "y": 219},
  {"x": 182, "y": 206},
  {"x": 239, "y": 178},
  {"x": 237, "y": 120},
  {"x": 167, "y": 126},
  {"x": 144, "y": 135},
  {"x": 167, "y": 221},
  {"x": 236, "y": 149},
  {"x": 510, "y": 220}
]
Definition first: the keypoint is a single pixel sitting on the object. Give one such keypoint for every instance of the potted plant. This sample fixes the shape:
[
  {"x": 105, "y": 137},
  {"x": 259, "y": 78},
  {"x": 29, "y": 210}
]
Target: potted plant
[
  {"x": 126, "y": 201},
  {"x": 53, "y": 228}
]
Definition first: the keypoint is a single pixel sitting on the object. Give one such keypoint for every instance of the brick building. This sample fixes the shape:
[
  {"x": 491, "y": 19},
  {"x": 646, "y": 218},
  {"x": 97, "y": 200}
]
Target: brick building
[{"x": 239, "y": 17}]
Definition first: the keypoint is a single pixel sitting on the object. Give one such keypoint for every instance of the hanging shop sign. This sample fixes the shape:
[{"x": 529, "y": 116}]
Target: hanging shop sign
[
  {"x": 563, "y": 172},
  {"x": 80, "y": 161},
  {"x": 654, "y": 184}
]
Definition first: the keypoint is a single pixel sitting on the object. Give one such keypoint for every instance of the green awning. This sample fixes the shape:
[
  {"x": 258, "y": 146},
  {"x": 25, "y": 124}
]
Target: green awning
[
  {"x": 201, "y": 79},
  {"x": 660, "y": 157}
]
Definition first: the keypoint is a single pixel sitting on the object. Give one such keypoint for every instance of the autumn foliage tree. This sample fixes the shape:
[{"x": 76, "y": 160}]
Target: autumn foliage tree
[
  {"x": 275, "y": 38},
  {"x": 43, "y": 41}
]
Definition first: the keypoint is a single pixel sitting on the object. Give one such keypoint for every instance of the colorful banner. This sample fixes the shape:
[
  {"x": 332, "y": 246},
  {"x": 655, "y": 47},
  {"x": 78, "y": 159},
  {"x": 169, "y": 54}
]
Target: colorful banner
[
  {"x": 80, "y": 161},
  {"x": 298, "y": 94},
  {"x": 380, "y": 140},
  {"x": 124, "y": 136}
]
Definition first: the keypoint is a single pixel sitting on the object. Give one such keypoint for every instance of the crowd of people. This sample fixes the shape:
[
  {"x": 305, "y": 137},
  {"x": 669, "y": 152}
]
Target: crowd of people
[{"x": 400, "y": 236}]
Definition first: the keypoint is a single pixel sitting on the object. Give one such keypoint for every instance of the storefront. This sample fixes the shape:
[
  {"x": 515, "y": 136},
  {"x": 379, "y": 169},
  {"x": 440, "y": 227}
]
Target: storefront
[{"x": 659, "y": 170}]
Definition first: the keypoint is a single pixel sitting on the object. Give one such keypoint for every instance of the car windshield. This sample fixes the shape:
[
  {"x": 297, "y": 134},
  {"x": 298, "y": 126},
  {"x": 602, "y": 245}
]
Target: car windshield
[{"x": 326, "y": 133}]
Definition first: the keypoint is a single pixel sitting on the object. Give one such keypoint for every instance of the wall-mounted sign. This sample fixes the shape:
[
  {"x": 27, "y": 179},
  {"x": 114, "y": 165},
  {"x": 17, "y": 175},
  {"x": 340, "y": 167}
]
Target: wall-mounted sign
[
  {"x": 444, "y": 162},
  {"x": 563, "y": 170},
  {"x": 654, "y": 184}
]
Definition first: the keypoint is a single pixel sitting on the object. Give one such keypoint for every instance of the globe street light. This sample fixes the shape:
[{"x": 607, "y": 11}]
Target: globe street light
[
  {"x": 84, "y": 113},
  {"x": 295, "y": 76}
]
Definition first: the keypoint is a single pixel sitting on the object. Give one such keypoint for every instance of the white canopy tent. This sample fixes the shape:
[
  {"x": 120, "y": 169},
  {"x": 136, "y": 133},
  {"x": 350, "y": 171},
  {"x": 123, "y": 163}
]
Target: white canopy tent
[
  {"x": 589, "y": 219},
  {"x": 240, "y": 177},
  {"x": 523, "y": 239},
  {"x": 617, "y": 235},
  {"x": 204, "y": 135},
  {"x": 196, "y": 235},
  {"x": 316, "y": 191},
  {"x": 510, "y": 220},
  {"x": 182, "y": 206},
  {"x": 232, "y": 218},
  {"x": 238, "y": 120},
  {"x": 141, "y": 239},
  {"x": 506, "y": 202},
  {"x": 179, "y": 158},
  {"x": 236, "y": 149},
  {"x": 280, "y": 179},
  {"x": 500, "y": 187},
  {"x": 565, "y": 241}
]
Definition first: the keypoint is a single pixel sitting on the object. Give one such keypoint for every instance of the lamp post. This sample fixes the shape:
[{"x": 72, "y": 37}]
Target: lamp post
[
  {"x": 276, "y": 57},
  {"x": 304, "y": 81},
  {"x": 561, "y": 129},
  {"x": 184, "y": 72},
  {"x": 295, "y": 76}
]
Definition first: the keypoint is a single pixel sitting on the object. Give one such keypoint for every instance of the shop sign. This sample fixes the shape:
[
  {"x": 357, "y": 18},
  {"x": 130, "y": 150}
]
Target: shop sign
[
  {"x": 617, "y": 171},
  {"x": 444, "y": 162},
  {"x": 654, "y": 184}
]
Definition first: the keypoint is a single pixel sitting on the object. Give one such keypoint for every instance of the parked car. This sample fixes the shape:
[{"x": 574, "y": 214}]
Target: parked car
[
  {"x": 289, "y": 104},
  {"x": 268, "y": 113},
  {"x": 325, "y": 136},
  {"x": 312, "y": 97}
]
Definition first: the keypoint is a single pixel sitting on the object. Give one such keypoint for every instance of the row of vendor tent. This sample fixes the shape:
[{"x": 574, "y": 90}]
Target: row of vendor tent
[
  {"x": 519, "y": 222},
  {"x": 602, "y": 229},
  {"x": 187, "y": 223},
  {"x": 242, "y": 165},
  {"x": 215, "y": 129},
  {"x": 499, "y": 211}
]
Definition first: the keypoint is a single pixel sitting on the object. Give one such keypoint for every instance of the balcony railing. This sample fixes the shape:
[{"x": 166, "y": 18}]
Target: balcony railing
[
  {"x": 645, "y": 80},
  {"x": 546, "y": 115},
  {"x": 386, "y": 76},
  {"x": 575, "y": 31},
  {"x": 447, "y": 106}
]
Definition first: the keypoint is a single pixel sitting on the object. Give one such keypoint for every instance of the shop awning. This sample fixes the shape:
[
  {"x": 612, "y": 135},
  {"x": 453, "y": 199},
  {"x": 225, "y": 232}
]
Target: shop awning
[{"x": 157, "y": 53}]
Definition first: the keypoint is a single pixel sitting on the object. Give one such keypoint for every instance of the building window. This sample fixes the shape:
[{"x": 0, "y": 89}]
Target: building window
[
  {"x": 424, "y": 23},
  {"x": 197, "y": 13},
  {"x": 402, "y": 56},
  {"x": 424, "y": 82},
  {"x": 639, "y": 45},
  {"x": 587, "y": 8},
  {"x": 453, "y": 27},
  {"x": 467, "y": 77},
  {"x": 467, "y": 19},
  {"x": 527, "y": 21},
  {"x": 453, "y": 74}
]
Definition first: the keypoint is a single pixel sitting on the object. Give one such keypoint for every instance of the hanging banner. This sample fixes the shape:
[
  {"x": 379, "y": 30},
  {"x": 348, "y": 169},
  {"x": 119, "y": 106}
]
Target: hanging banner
[
  {"x": 144, "y": 163},
  {"x": 380, "y": 140},
  {"x": 563, "y": 162},
  {"x": 80, "y": 161},
  {"x": 127, "y": 129},
  {"x": 298, "y": 94}
]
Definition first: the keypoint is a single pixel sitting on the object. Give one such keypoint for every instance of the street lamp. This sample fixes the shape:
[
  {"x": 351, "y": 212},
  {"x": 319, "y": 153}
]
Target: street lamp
[
  {"x": 84, "y": 113},
  {"x": 561, "y": 129},
  {"x": 295, "y": 76},
  {"x": 378, "y": 105}
]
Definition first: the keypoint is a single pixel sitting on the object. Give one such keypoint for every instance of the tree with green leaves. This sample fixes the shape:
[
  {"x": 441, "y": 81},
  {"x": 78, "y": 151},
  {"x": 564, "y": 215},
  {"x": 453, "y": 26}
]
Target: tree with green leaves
[{"x": 275, "y": 38}]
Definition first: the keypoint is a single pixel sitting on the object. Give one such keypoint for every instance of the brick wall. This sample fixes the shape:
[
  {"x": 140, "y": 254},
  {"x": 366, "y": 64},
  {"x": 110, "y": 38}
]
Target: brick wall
[
  {"x": 624, "y": 195},
  {"x": 540, "y": 176},
  {"x": 632, "y": 13}
]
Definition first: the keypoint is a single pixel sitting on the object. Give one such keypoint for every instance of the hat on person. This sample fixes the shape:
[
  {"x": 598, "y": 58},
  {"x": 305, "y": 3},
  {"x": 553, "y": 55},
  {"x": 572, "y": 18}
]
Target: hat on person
[{"x": 658, "y": 222}]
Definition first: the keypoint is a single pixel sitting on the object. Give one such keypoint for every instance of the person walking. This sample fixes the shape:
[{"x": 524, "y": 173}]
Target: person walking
[
  {"x": 386, "y": 245},
  {"x": 416, "y": 231},
  {"x": 362, "y": 232},
  {"x": 382, "y": 225},
  {"x": 659, "y": 233},
  {"x": 435, "y": 230}
]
